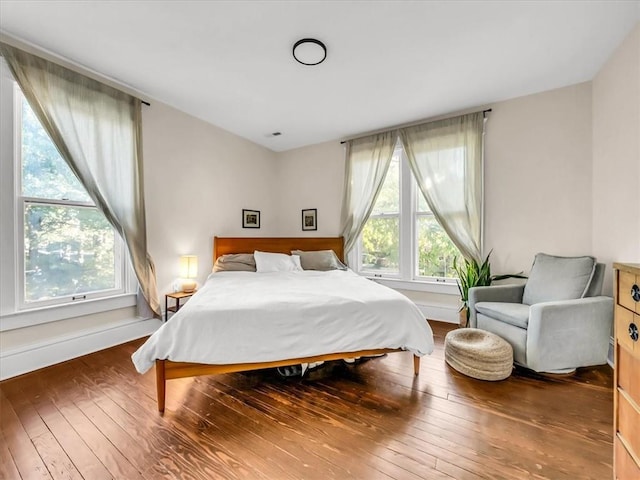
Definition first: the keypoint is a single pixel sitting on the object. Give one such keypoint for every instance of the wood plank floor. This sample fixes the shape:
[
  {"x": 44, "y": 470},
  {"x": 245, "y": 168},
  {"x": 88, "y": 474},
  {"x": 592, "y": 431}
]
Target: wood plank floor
[{"x": 95, "y": 418}]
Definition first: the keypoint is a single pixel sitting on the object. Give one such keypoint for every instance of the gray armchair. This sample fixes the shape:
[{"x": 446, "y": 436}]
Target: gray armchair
[{"x": 557, "y": 321}]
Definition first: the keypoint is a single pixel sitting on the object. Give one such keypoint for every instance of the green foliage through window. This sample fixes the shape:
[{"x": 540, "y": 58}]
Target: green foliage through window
[
  {"x": 69, "y": 246},
  {"x": 68, "y": 251},
  {"x": 380, "y": 244},
  {"x": 380, "y": 239},
  {"x": 436, "y": 251},
  {"x": 45, "y": 174},
  {"x": 381, "y": 234}
]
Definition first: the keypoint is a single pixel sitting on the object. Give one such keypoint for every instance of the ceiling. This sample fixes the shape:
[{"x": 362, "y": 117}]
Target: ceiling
[{"x": 388, "y": 62}]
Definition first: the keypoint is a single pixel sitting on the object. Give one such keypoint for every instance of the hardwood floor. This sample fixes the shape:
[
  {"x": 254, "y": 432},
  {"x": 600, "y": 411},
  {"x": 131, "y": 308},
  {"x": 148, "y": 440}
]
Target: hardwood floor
[{"x": 95, "y": 418}]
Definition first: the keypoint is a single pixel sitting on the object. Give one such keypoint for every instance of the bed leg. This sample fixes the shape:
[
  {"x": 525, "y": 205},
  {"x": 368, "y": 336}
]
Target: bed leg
[
  {"x": 160, "y": 384},
  {"x": 416, "y": 364}
]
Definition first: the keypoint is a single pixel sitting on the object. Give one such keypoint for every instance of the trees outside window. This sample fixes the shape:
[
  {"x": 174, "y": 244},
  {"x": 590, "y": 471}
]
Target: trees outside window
[
  {"x": 380, "y": 239},
  {"x": 70, "y": 251},
  {"x": 402, "y": 239}
]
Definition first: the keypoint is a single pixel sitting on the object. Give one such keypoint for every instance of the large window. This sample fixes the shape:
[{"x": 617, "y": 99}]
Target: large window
[
  {"x": 402, "y": 239},
  {"x": 66, "y": 249},
  {"x": 70, "y": 249}
]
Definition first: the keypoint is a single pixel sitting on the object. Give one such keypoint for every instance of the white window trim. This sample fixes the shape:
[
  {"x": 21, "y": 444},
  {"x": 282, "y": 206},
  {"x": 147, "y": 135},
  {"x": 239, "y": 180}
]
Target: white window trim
[
  {"x": 14, "y": 312},
  {"x": 406, "y": 279},
  {"x": 54, "y": 313},
  {"x": 432, "y": 286}
]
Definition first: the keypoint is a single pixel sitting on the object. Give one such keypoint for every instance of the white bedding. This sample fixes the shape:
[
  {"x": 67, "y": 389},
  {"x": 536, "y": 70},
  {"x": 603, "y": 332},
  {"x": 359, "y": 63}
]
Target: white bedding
[{"x": 245, "y": 317}]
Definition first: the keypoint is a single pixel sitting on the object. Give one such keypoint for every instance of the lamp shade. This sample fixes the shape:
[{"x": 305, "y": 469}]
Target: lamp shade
[{"x": 188, "y": 266}]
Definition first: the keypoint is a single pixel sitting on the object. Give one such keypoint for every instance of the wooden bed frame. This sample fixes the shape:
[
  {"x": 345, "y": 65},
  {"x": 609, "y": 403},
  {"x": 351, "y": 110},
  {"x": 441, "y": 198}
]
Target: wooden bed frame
[{"x": 167, "y": 369}]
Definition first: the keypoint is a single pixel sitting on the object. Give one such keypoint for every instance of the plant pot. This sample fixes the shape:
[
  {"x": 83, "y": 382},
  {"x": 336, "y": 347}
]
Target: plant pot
[{"x": 464, "y": 317}]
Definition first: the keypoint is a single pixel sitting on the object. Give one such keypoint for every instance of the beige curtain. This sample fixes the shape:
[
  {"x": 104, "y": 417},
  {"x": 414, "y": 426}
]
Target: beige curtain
[
  {"x": 446, "y": 160},
  {"x": 367, "y": 163},
  {"x": 97, "y": 130}
]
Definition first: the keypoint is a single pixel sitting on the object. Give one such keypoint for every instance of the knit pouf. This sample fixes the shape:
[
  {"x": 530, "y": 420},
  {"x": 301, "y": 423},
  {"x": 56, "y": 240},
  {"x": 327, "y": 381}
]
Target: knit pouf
[{"x": 478, "y": 354}]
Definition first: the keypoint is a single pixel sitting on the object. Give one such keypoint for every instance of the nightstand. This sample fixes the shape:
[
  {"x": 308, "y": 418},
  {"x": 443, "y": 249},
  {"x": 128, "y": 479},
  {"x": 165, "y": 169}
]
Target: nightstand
[{"x": 177, "y": 296}]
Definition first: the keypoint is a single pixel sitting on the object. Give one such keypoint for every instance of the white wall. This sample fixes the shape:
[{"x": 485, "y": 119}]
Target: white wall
[
  {"x": 538, "y": 177},
  {"x": 616, "y": 157},
  {"x": 198, "y": 178},
  {"x": 310, "y": 177}
]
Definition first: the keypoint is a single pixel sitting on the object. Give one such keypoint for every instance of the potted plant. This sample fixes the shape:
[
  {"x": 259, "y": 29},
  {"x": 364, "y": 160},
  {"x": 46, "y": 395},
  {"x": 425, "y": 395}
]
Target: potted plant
[{"x": 471, "y": 274}]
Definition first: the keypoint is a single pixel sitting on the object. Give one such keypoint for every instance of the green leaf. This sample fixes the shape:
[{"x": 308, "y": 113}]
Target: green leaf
[{"x": 471, "y": 274}]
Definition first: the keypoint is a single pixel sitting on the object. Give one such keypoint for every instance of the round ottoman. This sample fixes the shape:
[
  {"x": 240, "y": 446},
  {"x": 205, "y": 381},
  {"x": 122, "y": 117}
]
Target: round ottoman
[{"x": 478, "y": 354}]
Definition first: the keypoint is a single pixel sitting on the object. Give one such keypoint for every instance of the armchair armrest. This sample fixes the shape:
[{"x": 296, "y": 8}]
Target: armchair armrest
[
  {"x": 497, "y": 293},
  {"x": 569, "y": 334}
]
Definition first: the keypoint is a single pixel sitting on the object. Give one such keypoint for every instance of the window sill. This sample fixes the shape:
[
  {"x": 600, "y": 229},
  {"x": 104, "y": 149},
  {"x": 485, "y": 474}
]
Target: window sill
[
  {"x": 53, "y": 313},
  {"x": 418, "y": 285}
]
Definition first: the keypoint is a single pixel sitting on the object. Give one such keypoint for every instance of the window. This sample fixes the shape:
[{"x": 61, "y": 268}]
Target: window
[
  {"x": 58, "y": 248},
  {"x": 380, "y": 239},
  {"x": 70, "y": 250},
  {"x": 402, "y": 239}
]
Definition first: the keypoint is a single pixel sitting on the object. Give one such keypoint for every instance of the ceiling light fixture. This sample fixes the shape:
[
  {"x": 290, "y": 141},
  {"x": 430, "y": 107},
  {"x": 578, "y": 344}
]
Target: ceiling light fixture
[{"x": 309, "y": 51}]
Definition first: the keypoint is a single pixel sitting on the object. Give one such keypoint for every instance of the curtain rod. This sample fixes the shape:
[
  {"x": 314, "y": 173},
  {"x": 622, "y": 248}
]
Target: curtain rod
[
  {"x": 484, "y": 114},
  {"x": 53, "y": 57}
]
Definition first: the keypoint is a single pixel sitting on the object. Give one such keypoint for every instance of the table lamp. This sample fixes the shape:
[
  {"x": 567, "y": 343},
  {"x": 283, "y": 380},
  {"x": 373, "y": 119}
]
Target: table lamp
[{"x": 188, "y": 272}]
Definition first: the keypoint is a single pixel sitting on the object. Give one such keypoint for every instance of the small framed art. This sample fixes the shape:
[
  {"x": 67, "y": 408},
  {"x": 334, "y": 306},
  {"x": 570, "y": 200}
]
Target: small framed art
[
  {"x": 310, "y": 219},
  {"x": 250, "y": 218}
]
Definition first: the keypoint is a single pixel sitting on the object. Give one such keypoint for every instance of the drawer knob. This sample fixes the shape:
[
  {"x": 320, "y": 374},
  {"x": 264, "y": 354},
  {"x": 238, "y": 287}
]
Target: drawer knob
[
  {"x": 633, "y": 332},
  {"x": 635, "y": 293}
]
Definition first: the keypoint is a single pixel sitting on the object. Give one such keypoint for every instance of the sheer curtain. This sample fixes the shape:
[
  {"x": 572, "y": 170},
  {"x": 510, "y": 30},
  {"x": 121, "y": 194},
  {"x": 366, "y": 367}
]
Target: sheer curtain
[
  {"x": 367, "y": 163},
  {"x": 446, "y": 160},
  {"x": 97, "y": 130}
]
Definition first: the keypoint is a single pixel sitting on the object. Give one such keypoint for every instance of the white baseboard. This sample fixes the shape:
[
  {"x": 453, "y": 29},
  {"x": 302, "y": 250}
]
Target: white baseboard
[
  {"x": 28, "y": 358},
  {"x": 441, "y": 313}
]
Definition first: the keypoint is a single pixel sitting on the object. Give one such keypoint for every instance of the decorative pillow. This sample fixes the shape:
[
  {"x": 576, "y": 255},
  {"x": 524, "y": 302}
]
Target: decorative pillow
[
  {"x": 320, "y": 260},
  {"x": 296, "y": 261},
  {"x": 276, "y": 262},
  {"x": 558, "y": 278},
  {"x": 235, "y": 262}
]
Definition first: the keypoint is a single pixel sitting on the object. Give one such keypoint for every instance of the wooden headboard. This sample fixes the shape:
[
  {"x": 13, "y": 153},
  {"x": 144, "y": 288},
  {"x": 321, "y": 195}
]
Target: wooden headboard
[{"x": 225, "y": 245}]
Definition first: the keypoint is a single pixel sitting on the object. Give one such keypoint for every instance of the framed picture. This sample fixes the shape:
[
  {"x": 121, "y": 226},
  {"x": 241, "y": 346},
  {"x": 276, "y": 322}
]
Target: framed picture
[
  {"x": 250, "y": 218},
  {"x": 310, "y": 219}
]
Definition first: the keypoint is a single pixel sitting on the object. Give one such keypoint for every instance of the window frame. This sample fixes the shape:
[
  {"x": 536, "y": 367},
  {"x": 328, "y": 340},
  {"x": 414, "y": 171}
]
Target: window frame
[
  {"x": 407, "y": 277},
  {"x": 401, "y": 207},
  {"x": 15, "y": 310}
]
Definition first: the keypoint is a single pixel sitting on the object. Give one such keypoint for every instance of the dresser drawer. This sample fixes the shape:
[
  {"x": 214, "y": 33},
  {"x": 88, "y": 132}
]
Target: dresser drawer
[
  {"x": 626, "y": 467},
  {"x": 628, "y": 422},
  {"x": 628, "y": 282},
  {"x": 624, "y": 319},
  {"x": 628, "y": 370}
]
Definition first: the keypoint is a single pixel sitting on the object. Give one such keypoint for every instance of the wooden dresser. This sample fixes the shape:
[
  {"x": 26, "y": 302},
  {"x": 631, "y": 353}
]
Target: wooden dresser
[{"x": 626, "y": 410}]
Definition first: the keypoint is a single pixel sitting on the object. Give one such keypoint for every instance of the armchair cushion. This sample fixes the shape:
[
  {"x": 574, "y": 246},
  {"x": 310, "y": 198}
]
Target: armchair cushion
[
  {"x": 558, "y": 278},
  {"x": 498, "y": 293},
  {"x": 516, "y": 314}
]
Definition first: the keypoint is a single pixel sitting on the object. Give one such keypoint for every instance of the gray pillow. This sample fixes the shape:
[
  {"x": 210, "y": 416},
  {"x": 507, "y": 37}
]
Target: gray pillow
[
  {"x": 235, "y": 262},
  {"x": 558, "y": 278},
  {"x": 322, "y": 260}
]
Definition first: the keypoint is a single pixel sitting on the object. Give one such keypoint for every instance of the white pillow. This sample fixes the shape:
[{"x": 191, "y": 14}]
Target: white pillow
[
  {"x": 297, "y": 262},
  {"x": 276, "y": 262}
]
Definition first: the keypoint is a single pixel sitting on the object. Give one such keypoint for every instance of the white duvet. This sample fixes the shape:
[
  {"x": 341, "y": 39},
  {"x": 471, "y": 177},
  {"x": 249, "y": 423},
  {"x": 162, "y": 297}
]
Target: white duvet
[{"x": 245, "y": 317}]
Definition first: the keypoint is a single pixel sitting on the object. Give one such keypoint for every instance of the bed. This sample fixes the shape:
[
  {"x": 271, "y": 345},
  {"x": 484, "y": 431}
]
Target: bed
[{"x": 240, "y": 321}]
